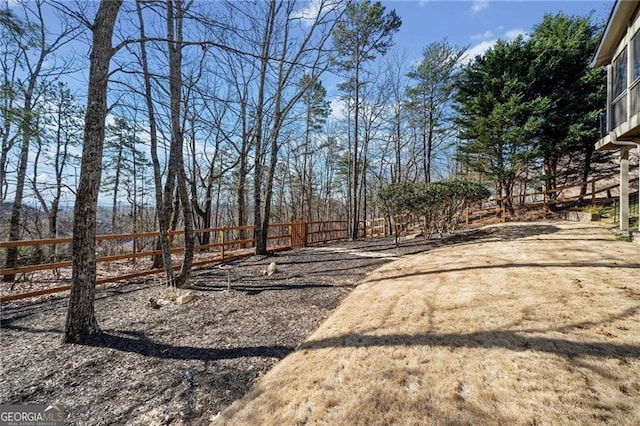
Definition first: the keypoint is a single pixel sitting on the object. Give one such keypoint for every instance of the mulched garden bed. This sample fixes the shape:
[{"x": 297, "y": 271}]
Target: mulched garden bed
[{"x": 182, "y": 364}]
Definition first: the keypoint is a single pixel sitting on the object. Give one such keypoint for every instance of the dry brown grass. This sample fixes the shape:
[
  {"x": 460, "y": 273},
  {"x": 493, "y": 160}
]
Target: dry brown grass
[{"x": 541, "y": 326}]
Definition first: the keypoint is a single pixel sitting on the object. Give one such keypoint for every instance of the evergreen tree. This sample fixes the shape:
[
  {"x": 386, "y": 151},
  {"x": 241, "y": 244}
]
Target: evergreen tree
[
  {"x": 123, "y": 166},
  {"x": 317, "y": 110},
  {"x": 429, "y": 99},
  {"x": 560, "y": 71},
  {"x": 363, "y": 32},
  {"x": 497, "y": 118}
]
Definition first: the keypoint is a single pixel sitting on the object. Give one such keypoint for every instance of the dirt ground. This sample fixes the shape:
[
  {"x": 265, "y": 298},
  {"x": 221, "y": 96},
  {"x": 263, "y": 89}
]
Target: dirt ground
[
  {"x": 183, "y": 364},
  {"x": 532, "y": 324}
]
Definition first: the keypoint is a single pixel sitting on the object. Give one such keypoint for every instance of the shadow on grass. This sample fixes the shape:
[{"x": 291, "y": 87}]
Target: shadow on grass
[
  {"x": 420, "y": 244},
  {"x": 139, "y": 343},
  {"x": 512, "y": 265},
  {"x": 507, "y": 339}
]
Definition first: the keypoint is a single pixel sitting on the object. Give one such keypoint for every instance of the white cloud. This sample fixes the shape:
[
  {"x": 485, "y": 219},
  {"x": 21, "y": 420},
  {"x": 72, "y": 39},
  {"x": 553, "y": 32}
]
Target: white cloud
[
  {"x": 477, "y": 50},
  {"x": 44, "y": 178},
  {"x": 513, "y": 34},
  {"x": 308, "y": 13},
  {"x": 483, "y": 36},
  {"x": 338, "y": 109},
  {"x": 316, "y": 10},
  {"x": 479, "y": 5},
  {"x": 488, "y": 41}
]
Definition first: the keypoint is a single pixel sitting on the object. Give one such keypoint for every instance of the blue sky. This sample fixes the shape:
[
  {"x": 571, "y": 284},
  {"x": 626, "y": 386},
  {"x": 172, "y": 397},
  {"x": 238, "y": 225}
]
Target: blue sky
[
  {"x": 475, "y": 24},
  {"x": 478, "y": 24}
]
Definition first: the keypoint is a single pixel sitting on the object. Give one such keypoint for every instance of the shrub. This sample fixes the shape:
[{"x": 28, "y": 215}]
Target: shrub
[{"x": 439, "y": 205}]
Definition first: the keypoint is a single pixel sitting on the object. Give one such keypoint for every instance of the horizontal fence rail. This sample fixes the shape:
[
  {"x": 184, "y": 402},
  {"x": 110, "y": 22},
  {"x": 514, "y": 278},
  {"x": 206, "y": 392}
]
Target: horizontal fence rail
[{"x": 223, "y": 248}]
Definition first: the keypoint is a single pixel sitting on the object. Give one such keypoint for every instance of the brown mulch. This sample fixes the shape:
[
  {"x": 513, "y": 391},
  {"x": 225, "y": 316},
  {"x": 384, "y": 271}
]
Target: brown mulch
[{"x": 182, "y": 364}]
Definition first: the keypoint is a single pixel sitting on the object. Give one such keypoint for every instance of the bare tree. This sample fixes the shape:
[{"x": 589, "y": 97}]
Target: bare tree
[
  {"x": 396, "y": 82},
  {"x": 175, "y": 19},
  {"x": 13, "y": 32},
  {"x": 37, "y": 53},
  {"x": 81, "y": 321},
  {"x": 316, "y": 111},
  {"x": 163, "y": 209},
  {"x": 61, "y": 134},
  {"x": 288, "y": 48}
]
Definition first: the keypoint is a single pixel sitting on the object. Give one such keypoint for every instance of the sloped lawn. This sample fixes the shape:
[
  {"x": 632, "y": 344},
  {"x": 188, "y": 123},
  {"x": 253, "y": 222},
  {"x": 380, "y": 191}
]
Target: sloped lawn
[{"x": 538, "y": 324}]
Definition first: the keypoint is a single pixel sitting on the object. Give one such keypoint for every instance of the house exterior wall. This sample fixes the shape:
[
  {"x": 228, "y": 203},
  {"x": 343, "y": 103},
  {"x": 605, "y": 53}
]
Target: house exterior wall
[
  {"x": 619, "y": 51},
  {"x": 624, "y": 82},
  {"x": 623, "y": 85}
]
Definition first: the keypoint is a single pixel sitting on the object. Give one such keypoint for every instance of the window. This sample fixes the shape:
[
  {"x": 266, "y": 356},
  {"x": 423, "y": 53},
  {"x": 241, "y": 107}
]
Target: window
[
  {"x": 635, "y": 43},
  {"x": 620, "y": 74},
  {"x": 618, "y": 112}
]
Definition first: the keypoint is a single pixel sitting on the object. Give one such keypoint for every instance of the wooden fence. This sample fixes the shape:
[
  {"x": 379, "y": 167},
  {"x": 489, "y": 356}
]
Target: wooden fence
[
  {"x": 230, "y": 243},
  {"x": 227, "y": 245},
  {"x": 546, "y": 201}
]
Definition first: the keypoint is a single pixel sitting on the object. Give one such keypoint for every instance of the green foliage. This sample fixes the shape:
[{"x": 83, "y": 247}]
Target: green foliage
[
  {"x": 397, "y": 198},
  {"x": 124, "y": 162},
  {"x": 429, "y": 98},
  {"x": 497, "y": 119},
  {"x": 531, "y": 103},
  {"x": 317, "y": 108},
  {"x": 561, "y": 49},
  {"x": 441, "y": 204},
  {"x": 364, "y": 31},
  {"x": 603, "y": 211},
  {"x": 438, "y": 204},
  {"x": 623, "y": 237}
]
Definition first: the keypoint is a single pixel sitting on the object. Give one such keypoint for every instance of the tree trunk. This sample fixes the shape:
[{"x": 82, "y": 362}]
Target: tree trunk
[
  {"x": 27, "y": 131},
  {"x": 81, "y": 321},
  {"x": 163, "y": 214},
  {"x": 189, "y": 241},
  {"x": 4, "y": 152},
  {"x": 260, "y": 233},
  {"x": 551, "y": 171},
  {"x": 174, "y": 34},
  {"x": 429, "y": 153},
  {"x": 241, "y": 195},
  {"x": 588, "y": 155},
  {"x": 397, "y": 176},
  {"x": 425, "y": 151},
  {"x": 134, "y": 206},
  {"x": 116, "y": 185},
  {"x": 355, "y": 219},
  {"x": 16, "y": 210}
]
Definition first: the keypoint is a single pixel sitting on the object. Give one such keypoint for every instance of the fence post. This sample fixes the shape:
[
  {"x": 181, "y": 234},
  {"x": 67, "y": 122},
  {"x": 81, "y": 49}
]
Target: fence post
[
  {"x": 222, "y": 244},
  {"x": 467, "y": 216},
  {"x": 306, "y": 233}
]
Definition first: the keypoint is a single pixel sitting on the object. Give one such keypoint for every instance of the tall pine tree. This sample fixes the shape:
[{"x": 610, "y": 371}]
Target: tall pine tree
[{"x": 363, "y": 32}]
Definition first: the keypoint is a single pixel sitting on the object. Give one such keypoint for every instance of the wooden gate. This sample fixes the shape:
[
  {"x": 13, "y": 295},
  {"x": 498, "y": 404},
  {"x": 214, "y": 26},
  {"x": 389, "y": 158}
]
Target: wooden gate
[{"x": 298, "y": 234}]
